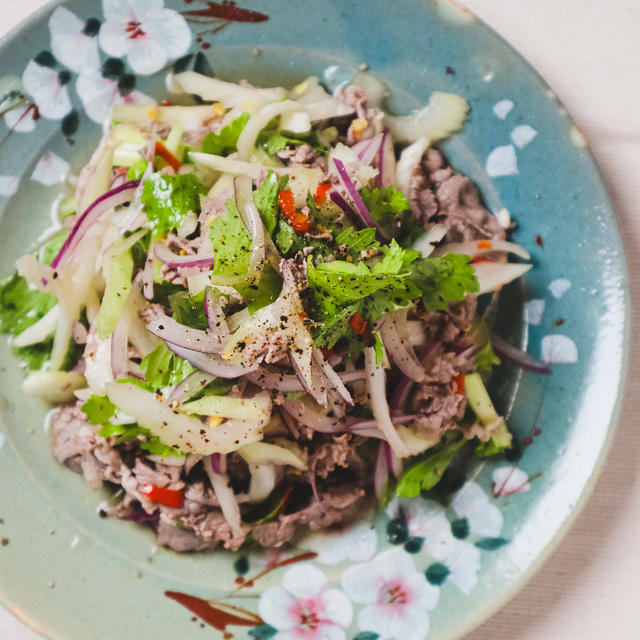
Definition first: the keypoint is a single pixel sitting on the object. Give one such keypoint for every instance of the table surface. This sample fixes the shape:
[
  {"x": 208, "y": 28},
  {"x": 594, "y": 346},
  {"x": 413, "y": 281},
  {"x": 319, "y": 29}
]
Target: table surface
[{"x": 588, "y": 51}]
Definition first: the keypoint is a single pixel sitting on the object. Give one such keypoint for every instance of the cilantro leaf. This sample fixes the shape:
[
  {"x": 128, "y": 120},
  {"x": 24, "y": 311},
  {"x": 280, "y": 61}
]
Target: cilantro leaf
[
  {"x": 189, "y": 310},
  {"x": 348, "y": 282},
  {"x": 98, "y": 409},
  {"x": 134, "y": 432},
  {"x": 392, "y": 212},
  {"x": 384, "y": 204},
  {"x": 287, "y": 240},
  {"x": 225, "y": 142},
  {"x": 355, "y": 242},
  {"x": 486, "y": 358},
  {"x": 426, "y": 474},
  {"x": 336, "y": 327},
  {"x": 163, "y": 368},
  {"x": 443, "y": 279},
  {"x": 168, "y": 199},
  {"x": 231, "y": 243},
  {"x": 259, "y": 294},
  {"x": 273, "y": 140},
  {"x": 34, "y": 356},
  {"x": 266, "y": 199},
  {"x": 21, "y": 305}
]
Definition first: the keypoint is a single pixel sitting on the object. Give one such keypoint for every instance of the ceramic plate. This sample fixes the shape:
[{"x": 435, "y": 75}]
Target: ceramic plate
[{"x": 435, "y": 567}]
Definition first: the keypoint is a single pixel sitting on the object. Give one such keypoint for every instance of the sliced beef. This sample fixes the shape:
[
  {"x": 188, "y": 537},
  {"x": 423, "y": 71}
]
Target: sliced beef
[{"x": 439, "y": 194}]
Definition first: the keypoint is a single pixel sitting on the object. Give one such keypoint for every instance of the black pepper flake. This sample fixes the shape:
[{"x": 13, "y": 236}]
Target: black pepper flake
[
  {"x": 4, "y": 542},
  {"x": 102, "y": 513},
  {"x": 450, "y": 71}
]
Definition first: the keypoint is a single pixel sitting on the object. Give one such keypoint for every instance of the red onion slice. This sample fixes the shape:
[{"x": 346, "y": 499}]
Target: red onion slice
[
  {"x": 517, "y": 357},
  {"x": 381, "y": 472},
  {"x": 361, "y": 425},
  {"x": 275, "y": 379},
  {"x": 316, "y": 389},
  {"x": 350, "y": 188},
  {"x": 215, "y": 316},
  {"x": 249, "y": 213},
  {"x": 226, "y": 498},
  {"x": 212, "y": 364},
  {"x": 377, "y": 393},
  {"x": 302, "y": 412},
  {"x": 106, "y": 202},
  {"x": 386, "y": 161},
  {"x": 393, "y": 462},
  {"x": 405, "y": 385},
  {"x": 148, "y": 273},
  {"x": 120, "y": 348},
  {"x": 346, "y": 207},
  {"x": 193, "y": 383},
  {"x": 401, "y": 351},
  {"x": 219, "y": 462},
  {"x": 332, "y": 376},
  {"x": 181, "y": 335},
  {"x": 167, "y": 257},
  {"x": 367, "y": 149}
]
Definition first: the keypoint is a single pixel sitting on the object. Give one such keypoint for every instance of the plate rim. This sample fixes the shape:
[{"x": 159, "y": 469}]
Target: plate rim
[{"x": 518, "y": 584}]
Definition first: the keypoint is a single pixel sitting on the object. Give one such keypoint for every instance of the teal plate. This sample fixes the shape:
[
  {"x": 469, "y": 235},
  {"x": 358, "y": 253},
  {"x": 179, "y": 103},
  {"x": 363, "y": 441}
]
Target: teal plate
[{"x": 429, "y": 568}]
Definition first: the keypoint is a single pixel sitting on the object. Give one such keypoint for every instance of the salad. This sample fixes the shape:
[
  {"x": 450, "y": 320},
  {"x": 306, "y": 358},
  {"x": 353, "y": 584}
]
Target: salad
[{"x": 260, "y": 310}]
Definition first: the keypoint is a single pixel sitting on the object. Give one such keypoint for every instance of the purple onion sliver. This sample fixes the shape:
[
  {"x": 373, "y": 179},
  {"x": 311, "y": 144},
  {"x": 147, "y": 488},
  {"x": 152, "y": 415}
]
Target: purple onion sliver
[
  {"x": 141, "y": 516},
  {"x": 212, "y": 364},
  {"x": 170, "y": 259},
  {"x": 107, "y": 201},
  {"x": 367, "y": 424},
  {"x": 517, "y": 357},
  {"x": 219, "y": 462},
  {"x": 361, "y": 207},
  {"x": 147, "y": 274},
  {"x": 193, "y": 383},
  {"x": 347, "y": 208},
  {"x": 120, "y": 349},
  {"x": 381, "y": 471},
  {"x": 385, "y": 133}
]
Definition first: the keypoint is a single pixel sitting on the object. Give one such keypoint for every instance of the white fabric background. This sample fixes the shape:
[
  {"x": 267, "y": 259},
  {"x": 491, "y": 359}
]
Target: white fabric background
[{"x": 589, "y": 52}]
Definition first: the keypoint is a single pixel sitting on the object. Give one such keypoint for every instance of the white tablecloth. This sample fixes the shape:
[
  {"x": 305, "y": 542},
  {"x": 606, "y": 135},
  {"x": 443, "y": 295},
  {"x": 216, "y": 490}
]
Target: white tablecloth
[{"x": 589, "y": 52}]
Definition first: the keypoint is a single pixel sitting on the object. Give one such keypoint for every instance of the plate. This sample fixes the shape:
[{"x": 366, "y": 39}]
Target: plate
[{"x": 445, "y": 565}]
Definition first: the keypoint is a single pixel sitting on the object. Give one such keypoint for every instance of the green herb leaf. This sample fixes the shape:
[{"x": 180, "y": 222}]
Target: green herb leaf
[
  {"x": 287, "y": 240},
  {"x": 443, "y": 279},
  {"x": 98, "y": 409},
  {"x": 486, "y": 358},
  {"x": 21, "y": 305},
  {"x": 273, "y": 140},
  {"x": 262, "y": 293},
  {"x": 355, "y": 242},
  {"x": 426, "y": 474},
  {"x": 384, "y": 204},
  {"x": 188, "y": 310},
  {"x": 336, "y": 327},
  {"x": 231, "y": 243},
  {"x": 163, "y": 368},
  {"x": 226, "y": 141},
  {"x": 266, "y": 199},
  {"x": 137, "y": 169},
  {"x": 167, "y": 200}
]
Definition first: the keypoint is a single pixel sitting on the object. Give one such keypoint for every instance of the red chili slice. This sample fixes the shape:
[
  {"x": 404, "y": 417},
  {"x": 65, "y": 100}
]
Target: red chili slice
[{"x": 168, "y": 497}]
